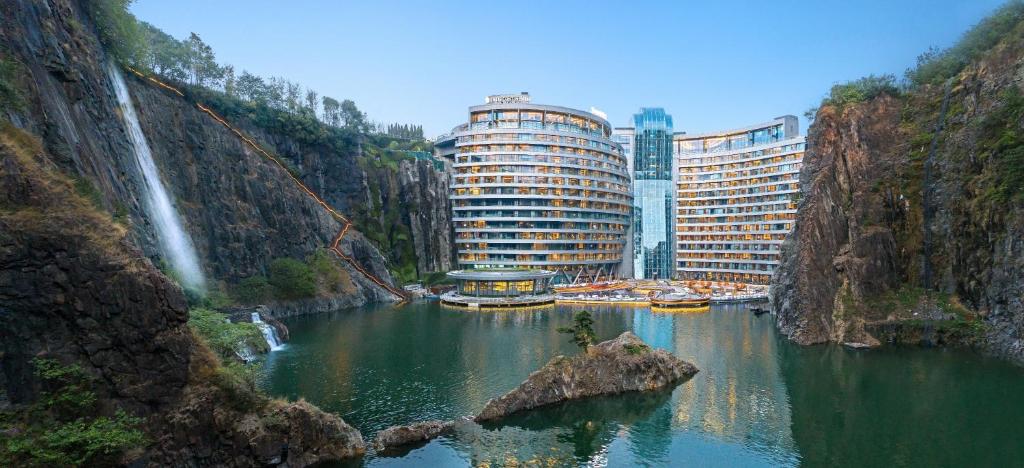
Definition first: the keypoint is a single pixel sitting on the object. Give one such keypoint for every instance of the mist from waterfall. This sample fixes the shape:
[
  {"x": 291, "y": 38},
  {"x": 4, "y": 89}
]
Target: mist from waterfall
[{"x": 174, "y": 241}]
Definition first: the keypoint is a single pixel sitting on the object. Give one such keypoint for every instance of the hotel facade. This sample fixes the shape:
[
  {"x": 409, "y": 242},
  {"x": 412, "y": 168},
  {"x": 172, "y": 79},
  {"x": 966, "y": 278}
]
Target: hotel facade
[
  {"x": 737, "y": 193},
  {"x": 538, "y": 186}
]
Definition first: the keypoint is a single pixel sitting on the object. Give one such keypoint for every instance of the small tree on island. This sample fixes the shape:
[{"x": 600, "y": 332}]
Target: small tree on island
[{"x": 582, "y": 331}]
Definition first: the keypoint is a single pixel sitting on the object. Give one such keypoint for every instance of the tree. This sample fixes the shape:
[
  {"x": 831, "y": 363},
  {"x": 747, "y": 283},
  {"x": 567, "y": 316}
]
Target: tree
[
  {"x": 331, "y": 111},
  {"x": 311, "y": 100},
  {"x": 352, "y": 117},
  {"x": 202, "y": 66},
  {"x": 292, "y": 96},
  {"x": 251, "y": 87},
  {"x": 275, "y": 92},
  {"x": 230, "y": 86},
  {"x": 120, "y": 32},
  {"x": 582, "y": 331},
  {"x": 167, "y": 54}
]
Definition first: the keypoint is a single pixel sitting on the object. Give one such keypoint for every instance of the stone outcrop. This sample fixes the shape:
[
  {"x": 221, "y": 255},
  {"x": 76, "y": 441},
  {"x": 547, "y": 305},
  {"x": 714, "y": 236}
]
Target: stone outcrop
[
  {"x": 423, "y": 192},
  {"x": 75, "y": 289},
  {"x": 846, "y": 154},
  {"x": 908, "y": 229},
  {"x": 398, "y": 436},
  {"x": 624, "y": 364},
  {"x": 77, "y": 277}
]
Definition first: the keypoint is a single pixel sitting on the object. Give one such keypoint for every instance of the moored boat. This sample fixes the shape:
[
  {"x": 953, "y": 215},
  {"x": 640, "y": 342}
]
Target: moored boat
[{"x": 687, "y": 302}]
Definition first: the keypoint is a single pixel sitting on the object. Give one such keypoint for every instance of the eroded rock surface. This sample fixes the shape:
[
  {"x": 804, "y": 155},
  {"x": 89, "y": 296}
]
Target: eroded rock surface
[
  {"x": 909, "y": 228},
  {"x": 623, "y": 364},
  {"x": 397, "y": 436}
]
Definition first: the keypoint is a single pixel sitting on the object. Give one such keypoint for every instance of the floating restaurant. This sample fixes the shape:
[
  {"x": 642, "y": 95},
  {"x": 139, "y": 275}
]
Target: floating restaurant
[{"x": 500, "y": 288}]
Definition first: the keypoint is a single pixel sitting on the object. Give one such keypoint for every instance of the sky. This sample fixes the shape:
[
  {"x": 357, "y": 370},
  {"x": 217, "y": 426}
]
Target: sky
[{"x": 713, "y": 65}]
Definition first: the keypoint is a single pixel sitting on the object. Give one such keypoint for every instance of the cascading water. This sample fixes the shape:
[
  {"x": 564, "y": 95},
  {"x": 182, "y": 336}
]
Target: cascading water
[
  {"x": 269, "y": 332},
  {"x": 175, "y": 243}
]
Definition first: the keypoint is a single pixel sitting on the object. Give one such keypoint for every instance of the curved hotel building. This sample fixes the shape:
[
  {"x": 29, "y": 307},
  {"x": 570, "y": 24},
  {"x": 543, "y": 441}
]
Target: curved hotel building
[
  {"x": 737, "y": 196},
  {"x": 538, "y": 186}
]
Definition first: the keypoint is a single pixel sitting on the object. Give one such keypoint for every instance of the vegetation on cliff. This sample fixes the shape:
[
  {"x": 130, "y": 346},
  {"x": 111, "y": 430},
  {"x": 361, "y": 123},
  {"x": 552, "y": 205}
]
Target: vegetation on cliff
[
  {"x": 936, "y": 65},
  {"x": 284, "y": 109},
  {"x": 10, "y": 96},
  {"x": 911, "y": 202},
  {"x": 64, "y": 426},
  {"x": 860, "y": 90},
  {"x": 224, "y": 337}
]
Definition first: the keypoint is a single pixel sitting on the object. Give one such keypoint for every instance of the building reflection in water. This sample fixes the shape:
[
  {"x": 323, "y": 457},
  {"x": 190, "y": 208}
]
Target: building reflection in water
[
  {"x": 738, "y": 397},
  {"x": 380, "y": 367}
]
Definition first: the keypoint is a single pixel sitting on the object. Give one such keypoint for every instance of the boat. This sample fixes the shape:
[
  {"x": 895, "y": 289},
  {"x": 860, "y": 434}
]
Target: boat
[
  {"x": 675, "y": 301},
  {"x": 759, "y": 311},
  {"x": 592, "y": 287},
  {"x": 584, "y": 299}
]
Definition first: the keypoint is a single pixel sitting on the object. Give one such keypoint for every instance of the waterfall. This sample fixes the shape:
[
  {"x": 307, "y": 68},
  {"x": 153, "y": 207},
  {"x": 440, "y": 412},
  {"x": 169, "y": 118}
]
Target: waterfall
[
  {"x": 269, "y": 332},
  {"x": 174, "y": 242}
]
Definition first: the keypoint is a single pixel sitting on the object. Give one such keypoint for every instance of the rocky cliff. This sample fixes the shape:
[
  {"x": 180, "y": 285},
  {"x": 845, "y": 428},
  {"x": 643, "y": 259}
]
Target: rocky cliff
[
  {"x": 240, "y": 209},
  {"x": 77, "y": 247},
  {"x": 75, "y": 290},
  {"x": 911, "y": 219}
]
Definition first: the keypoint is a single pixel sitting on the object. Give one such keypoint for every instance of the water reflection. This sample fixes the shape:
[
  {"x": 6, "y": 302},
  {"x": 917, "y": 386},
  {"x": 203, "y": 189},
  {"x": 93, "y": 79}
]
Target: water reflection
[{"x": 757, "y": 401}]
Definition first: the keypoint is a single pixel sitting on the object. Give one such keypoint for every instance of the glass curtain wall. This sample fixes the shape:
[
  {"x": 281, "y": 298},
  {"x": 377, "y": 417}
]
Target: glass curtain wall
[{"x": 653, "y": 190}]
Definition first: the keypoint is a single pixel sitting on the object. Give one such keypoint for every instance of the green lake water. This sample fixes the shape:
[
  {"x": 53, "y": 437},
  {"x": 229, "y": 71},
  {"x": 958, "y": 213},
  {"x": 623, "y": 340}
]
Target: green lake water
[{"x": 757, "y": 401}]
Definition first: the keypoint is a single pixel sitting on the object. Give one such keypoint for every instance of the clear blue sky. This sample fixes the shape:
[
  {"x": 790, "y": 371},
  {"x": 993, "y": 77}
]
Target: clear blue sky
[{"x": 712, "y": 65}]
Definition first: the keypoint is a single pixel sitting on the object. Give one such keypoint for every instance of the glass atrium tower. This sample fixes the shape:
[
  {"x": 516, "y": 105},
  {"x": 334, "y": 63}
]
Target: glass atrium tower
[
  {"x": 653, "y": 190},
  {"x": 538, "y": 186}
]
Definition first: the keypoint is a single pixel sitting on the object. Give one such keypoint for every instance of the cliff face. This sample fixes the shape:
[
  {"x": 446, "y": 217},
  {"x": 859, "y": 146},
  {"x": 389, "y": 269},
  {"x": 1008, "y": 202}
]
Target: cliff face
[
  {"x": 240, "y": 210},
  {"x": 423, "y": 194},
  {"x": 74, "y": 289},
  {"x": 77, "y": 248},
  {"x": 912, "y": 213},
  {"x": 834, "y": 246}
]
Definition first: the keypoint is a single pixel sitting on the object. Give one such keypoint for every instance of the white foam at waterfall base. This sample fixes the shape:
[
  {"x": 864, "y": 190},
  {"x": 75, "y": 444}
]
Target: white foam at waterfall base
[
  {"x": 269, "y": 332},
  {"x": 174, "y": 242}
]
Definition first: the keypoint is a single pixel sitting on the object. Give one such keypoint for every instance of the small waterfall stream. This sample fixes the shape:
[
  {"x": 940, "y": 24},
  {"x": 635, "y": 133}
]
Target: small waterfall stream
[
  {"x": 269, "y": 332},
  {"x": 174, "y": 241}
]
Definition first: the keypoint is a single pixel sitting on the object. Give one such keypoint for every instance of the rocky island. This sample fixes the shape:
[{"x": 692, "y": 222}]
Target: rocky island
[{"x": 624, "y": 364}]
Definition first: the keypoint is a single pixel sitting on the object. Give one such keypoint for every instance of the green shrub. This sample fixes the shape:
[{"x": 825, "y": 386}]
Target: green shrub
[
  {"x": 936, "y": 66},
  {"x": 224, "y": 338},
  {"x": 582, "y": 330},
  {"x": 88, "y": 191},
  {"x": 291, "y": 279},
  {"x": 10, "y": 95},
  {"x": 325, "y": 266},
  {"x": 860, "y": 90},
  {"x": 1002, "y": 144},
  {"x": 233, "y": 378},
  {"x": 638, "y": 348},
  {"x": 436, "y": 278},
  {"x": 62, "y": 428},
  {"x": 253, "y": 290}
]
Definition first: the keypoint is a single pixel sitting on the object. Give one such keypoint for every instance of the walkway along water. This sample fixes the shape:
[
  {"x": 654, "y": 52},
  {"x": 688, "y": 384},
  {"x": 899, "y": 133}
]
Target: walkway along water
[{"x": 346, "y": 224}]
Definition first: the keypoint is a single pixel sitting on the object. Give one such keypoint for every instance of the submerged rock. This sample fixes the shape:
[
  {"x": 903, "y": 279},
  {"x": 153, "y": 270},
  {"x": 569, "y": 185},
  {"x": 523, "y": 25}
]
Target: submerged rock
[
  {"x": 397, "y": 436},
  {"x": 624, "y": 364}
]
